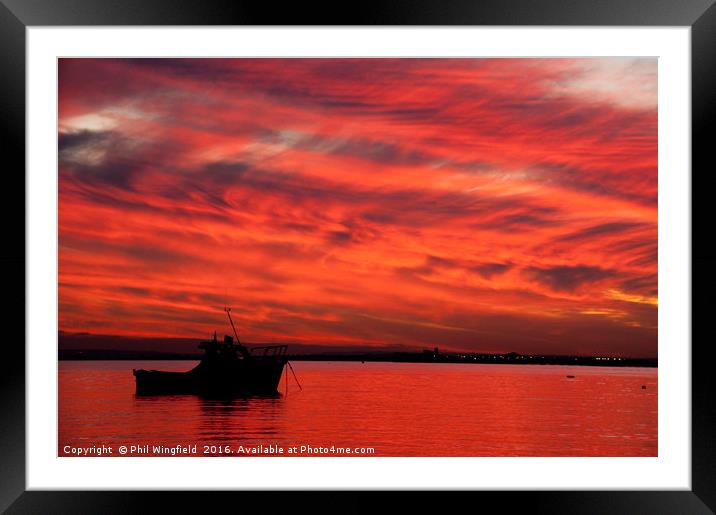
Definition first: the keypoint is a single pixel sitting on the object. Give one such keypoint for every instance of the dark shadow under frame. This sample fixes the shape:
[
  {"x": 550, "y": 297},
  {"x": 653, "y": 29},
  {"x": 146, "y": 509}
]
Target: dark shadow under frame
[{"x": 16, "y": 15}]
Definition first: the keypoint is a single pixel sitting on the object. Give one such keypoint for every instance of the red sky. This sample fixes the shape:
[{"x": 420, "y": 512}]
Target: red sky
[{"x": 477, "y": 204}]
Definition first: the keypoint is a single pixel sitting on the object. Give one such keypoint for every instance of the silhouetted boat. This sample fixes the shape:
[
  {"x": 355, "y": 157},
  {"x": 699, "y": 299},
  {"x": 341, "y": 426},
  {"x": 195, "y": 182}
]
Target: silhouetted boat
[{"x": 227, "y": 368}]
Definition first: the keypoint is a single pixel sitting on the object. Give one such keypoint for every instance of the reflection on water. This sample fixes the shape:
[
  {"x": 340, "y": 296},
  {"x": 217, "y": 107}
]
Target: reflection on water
[
  {"x": 213, "y": 420},
  {"x": 400, "y": 409}
]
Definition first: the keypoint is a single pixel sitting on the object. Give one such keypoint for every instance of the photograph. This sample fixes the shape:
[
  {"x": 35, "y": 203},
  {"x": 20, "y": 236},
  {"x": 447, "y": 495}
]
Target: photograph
[{"x": 357, "y": 257}]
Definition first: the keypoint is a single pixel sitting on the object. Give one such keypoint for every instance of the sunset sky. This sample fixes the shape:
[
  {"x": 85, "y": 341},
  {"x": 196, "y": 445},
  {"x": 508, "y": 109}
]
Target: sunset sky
[{"x": 472, "y": 204}]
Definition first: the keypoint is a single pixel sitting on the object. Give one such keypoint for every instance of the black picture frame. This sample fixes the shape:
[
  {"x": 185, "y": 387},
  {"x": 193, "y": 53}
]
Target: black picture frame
[{"x": 17, "y": 15}]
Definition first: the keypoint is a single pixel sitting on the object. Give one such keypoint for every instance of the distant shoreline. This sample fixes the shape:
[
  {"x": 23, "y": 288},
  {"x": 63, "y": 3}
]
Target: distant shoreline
[{"x": 396, "y": 357}]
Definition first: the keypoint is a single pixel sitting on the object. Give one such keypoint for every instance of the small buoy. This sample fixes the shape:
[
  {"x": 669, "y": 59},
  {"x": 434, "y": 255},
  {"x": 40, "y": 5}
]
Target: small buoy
[{"x": 643, "y": 387}]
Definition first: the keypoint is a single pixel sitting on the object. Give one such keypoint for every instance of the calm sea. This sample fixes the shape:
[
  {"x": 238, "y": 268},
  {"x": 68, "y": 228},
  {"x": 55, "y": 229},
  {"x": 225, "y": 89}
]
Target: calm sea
[{"x": 396, "y": 409}]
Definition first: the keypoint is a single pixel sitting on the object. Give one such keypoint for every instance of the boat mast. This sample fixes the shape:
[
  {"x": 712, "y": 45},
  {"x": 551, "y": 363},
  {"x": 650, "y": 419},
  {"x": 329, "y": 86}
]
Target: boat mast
[
  {"x": 228, "y": 312},
  {"x": 244, "y": 351}
]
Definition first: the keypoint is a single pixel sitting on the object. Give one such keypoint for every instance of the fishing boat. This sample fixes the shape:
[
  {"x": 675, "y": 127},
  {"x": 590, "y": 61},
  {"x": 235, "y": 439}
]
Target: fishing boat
[{"x": 228, "y": 368}]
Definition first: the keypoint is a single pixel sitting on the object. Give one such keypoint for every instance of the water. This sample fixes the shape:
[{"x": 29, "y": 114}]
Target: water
[{"x": 398, "y": 409}]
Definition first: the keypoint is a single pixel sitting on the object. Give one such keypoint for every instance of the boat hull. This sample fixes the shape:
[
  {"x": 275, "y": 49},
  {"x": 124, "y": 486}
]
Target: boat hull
[{"x": 242, "y": 377}]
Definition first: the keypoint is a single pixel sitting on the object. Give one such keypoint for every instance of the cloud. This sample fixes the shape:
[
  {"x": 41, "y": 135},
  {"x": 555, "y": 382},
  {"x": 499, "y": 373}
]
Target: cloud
[
  {"x": 491, "y": 269},
  {"x": 594, "y": 231},
  {"x": 363, "y": 201},
  {"x": 567, "y": 278}
]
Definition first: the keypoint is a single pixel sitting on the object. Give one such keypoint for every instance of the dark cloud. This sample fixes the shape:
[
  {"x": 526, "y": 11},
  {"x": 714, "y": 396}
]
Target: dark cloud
[
  {"x": 101, "y": 157},
  {"x": 340, "y": 236},
  {"x": 646, "y": 285},
  {"x": 155, "y": 254},
  {"x": 567, "y": 278},
  {"x": 522, "y": 222},
  {"x": 633, "y": 185},
  {"x": 140, "y": 253},
  {"x": 432, "y": 263},
  {"x": 488, "y": 270},
  {"x": 602, "y": 229},
  {"x": 67, "y": 141},
  {"x": 131, "y": 290},
  {"x": 648, "y": 258}
]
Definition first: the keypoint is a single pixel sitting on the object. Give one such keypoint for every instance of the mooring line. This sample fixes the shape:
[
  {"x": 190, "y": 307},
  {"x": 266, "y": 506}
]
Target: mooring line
[
  {"x": 294, "y": 375},
  {"x": 286, "y": 382}
]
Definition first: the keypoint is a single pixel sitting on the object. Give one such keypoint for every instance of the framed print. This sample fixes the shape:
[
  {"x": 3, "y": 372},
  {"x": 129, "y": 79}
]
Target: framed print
[{"x": 407, "y": 250}]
